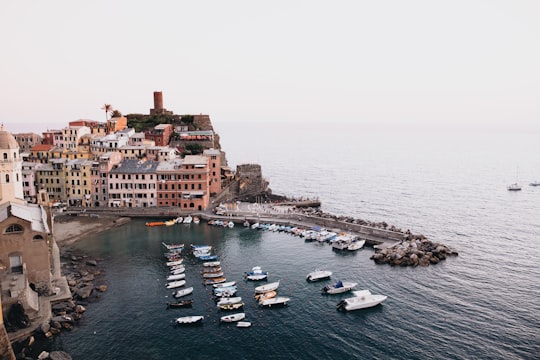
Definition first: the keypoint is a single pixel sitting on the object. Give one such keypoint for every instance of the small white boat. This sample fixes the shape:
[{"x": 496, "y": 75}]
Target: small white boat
[
  {"x": 178, "y": 271},
  {"x": 179, "y": 220},
  {"x": 225, "y": 284},
  {"x": 356, "y": 245},
  {"x": 280, "y": 300},
  {"x": 173, "y": 246},
  {"x": 183, "y": 292},
  {"x": 255, "y": 226},
  {"x": 211, "y": 263},
  {"x": 514, "y": 187},
  {"x": 246, "y": 224},
  {"x": 535, "y": 183},
  {"x": 187, "y": 220},
  {"x": 230, "y": 224},
  {"x": 233, "y": 317},
  {"x": 175, "y": 284},
  {"x": 176, "y": 277},
  {"x": 256, "y": 274},
  {"x": 268, "y": 287},
  {"x": 196, "y": 220},
  {"x": 189, "y": 319},
  {"x": 174, "y": 263},
  {"x": 362, "y": 299},
  {"x": 339, "y": 287},
  {"x": 243, "y": 324},
  {"x": 318, "y": 275},
  {"x": 228, "y": 301}
]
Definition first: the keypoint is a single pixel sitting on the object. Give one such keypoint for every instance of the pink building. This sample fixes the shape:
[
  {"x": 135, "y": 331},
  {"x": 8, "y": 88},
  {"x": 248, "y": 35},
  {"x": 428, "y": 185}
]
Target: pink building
[{"x": 132, "y": 183}]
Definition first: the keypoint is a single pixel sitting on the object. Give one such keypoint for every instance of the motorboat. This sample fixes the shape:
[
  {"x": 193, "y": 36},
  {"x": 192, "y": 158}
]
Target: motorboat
[
  {"x": 356, "y": 245},
  {"x": 339, "y": 287},
  {"x": 211, "y": 263},
  {"x": 266, "y": 295},
  {"x": 187, "y": 220},
  {"x": 179, "y": 220},
  {"x": 225, "y": 284},
  {"x": 230, "y": 224},
  {"x": 176, "y": 277},
  {"x": 175, "y": 284},
  {"x": 196, "y": 220},
  {"x": 514, "y": 187},
  {"x": 362, "y": 299},
  {"x": 243, "y": 324},
  {"x": 255, "y": 226},
  {"x": 183, "y": 292},
  {"x": 174, "y": 263},
  {"x": 535, "y": 183},
  {"x": 235, "y": 306},
  {"x": 318, "y": 275},
  {"x": 280, "y": 300},
  {"x": 230, "y": 300},
  {"x": 233, "y": 317},
  {"x": 180, "y": 304},
  {"x": 200, "y": 247},
  {"x": 212, "y": 281},
  {"x": 341, "y": 244},
  {"x": 268, "y": 287},
  {"x": 189, "y": 319},
  {"x": 256, "y": 274}
]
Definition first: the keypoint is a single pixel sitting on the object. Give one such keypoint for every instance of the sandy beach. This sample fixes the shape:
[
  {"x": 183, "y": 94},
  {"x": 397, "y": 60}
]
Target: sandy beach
[{"x": 69, "y": 229}]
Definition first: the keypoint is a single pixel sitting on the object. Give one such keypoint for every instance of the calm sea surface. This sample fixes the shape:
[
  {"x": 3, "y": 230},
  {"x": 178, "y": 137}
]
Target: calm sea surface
[{"x": 483, "y": 304}]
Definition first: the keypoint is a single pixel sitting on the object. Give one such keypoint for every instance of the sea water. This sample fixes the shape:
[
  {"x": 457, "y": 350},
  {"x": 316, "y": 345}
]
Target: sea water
[{"x": 482, "y": 304}]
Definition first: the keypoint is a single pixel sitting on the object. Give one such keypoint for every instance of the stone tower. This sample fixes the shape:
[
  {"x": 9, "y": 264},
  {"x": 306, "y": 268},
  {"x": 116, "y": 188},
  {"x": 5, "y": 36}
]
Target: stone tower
[
  {"x": 158, "y": 105},
  {"x": 11, "y": 188}
]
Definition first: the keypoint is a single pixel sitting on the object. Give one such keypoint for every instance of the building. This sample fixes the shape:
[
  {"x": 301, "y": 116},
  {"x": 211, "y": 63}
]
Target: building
[
  {"x": 195, "y": 180},
  {"x": 27, "y": 141},
  {"x": 79, "y": 181},
  {"x": 160, "y": 134},
  {"x": 29, "y": 181},
  {"x": 158, "y": 105},
  {"x": 53, "y": 137},
  {"x": 72, "y": 135},
  {"x": 132, "y": 183},
  {"x": 214, "y": 170},
  {"x": 51, "y": 177},
  {"x": 100, "y": 181},
  {"x": 10, "y": 168},
  {"x": 41, "y": 153},
  {"x": 169, "y": 183}
]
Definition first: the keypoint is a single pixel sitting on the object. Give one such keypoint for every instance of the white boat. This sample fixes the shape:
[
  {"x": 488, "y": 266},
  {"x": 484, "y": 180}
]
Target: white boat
[
  {"x": 176, "y": 277},
  {"x": 211, "y": 263},
  {"x": 339, "y": 287},
  {"x": 535, "y": 183},
  {"x": 243, "y": 324},
  {"x": 189, "y": 319},
  {"x": 176, "y": 247},
  {"x": 362, "y": 299},
  {"x": 230, "y": 300},
  {"x": 256, "y": 273},
  {"x": 246, "y": 224},
  {"x": 225, "y": 284},
  {"x": 183, "y": 292},
  {"x": 175, "y": 284},
  {"x": 341, "y": 244},
  {"x": 514, "y": 187},
  {"x": 280, "y": 300},
  {"x": 187, "y": 220},
  {"x": 210, "y": 275},
  {"x": 180, "y": 270},
  {"x": 178, "y": 220},
  {"x": 174, "y": 263},
  {"x": 318, "y": 275},
  {"x": 233, "y": 317},
  {"x": 225, "y": 291},
  {"x": 196, "y": 220},
  {"x": 268, "y": 287},
  {"x": 356, "y": 245},
  {"x": 255, "y": 226}
]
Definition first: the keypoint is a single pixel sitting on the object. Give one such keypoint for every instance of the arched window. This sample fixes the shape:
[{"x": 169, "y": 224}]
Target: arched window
[
  {"x": 13, "y": 228},
  {"x": 7, "y": 178},
  {"x": 37, "y": 237}
]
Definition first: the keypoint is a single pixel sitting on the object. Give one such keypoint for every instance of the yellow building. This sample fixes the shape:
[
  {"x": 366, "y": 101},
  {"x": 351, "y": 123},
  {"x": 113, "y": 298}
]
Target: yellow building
[
  {"x": 52, "y": 178},
  {"x": 79, "y": 181}
]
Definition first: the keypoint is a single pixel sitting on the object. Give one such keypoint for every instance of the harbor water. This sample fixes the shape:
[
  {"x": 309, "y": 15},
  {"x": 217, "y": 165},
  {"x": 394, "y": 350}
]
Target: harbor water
[{"x": 482, "y": 304}]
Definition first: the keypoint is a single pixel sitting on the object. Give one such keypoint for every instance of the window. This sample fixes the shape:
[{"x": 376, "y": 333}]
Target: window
[
  {"x": 37, "y": 237},
  {"x": 7, "y": 177},
  {"x": 13, "y": 228}
]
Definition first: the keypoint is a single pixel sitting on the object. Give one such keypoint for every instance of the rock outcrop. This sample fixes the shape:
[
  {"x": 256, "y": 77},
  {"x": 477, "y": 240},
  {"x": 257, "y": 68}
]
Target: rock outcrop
[{"x": 416, "y": 252}]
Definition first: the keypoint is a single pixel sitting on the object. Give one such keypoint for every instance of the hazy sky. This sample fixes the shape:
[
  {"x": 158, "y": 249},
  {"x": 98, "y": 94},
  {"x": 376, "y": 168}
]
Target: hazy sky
[{"x": 376, "y": 63}]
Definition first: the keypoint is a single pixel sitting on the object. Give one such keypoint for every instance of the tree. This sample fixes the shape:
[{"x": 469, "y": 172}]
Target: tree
[
  {"x": 108, "y": 108},
  {"x": 116, "y": 114}
]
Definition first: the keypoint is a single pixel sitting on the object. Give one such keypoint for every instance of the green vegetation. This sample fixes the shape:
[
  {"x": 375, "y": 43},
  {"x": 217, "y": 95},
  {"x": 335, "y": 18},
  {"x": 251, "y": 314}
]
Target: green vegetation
[
  {"x": 141, "y": 122},
  {"x": 194, "y": 149}
]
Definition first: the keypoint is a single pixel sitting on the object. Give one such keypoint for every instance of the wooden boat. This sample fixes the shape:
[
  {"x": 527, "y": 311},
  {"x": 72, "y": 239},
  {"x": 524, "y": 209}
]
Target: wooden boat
[
  {"x": 268, "y": 287},
  {"x": 266, "y": 295},
  {"x": 176, "y": 277},
  {"x": 211, "y": 263},
  {"x": 243, "y": 324},
  {"x": 211, "y": 269},
  {"x": 362, "y": 299},
  {"x": 175, "y": 284},
  {"x": 318, "y": 275},
  {"x": 228, "y": 301},
  {"x": 174, "y": 263},
  {"x": 211, "y": 275},
  {"x": 183, "y": 292},
  {"x": 180, "y": 304},
  {"x": 155, "y": 223},
  {"x": 231, "y": 306},
  {"x": 280, "y": 300},
  {"x": 233, "y": 317},
  {"x": 339, "y": 287},
  {"x": 213, "y": 281},
  {"x": 184, "y": 320},
  {"x": 225, "y": 284}
]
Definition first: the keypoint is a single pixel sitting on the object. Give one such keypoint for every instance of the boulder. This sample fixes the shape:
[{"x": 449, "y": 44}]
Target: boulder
[
  {"x": 85, "y": 291},
  {"x": 102, "y": 288},
  {"x": 45, "y": 327},
  {"x": 59, "y": 355},
  {"x": 91, "y": 262},
  {"x": 43, "y": 355}
]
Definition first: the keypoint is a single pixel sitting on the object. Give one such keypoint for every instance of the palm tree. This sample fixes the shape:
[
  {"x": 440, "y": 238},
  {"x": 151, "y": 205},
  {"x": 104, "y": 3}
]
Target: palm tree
[{"x": 108, "y": 108}]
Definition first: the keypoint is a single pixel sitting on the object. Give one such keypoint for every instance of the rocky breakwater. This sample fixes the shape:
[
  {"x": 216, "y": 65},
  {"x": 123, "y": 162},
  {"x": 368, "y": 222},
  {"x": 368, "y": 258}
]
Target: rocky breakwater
[{"x": 416, "y": 251}]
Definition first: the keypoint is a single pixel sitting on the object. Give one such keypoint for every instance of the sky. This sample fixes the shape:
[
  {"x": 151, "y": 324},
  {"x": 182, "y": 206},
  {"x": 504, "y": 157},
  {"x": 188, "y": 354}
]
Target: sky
[{"x": 470, "y": 64}]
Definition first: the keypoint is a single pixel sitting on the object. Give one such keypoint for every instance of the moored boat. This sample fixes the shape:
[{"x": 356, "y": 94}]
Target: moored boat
[
  {"x": 173, "y": 246},
  {"x": 211, "y": 263},
  {"x": 175, "y": 284},
  {"x": 362, "y": 299},
  {"x": 339, "y": 287},
  {"x": 266, "y": 295},
  {"x": 155, "y": 223},
  {"x": 318, "y": 275},
  {"x": 356, "y": 245},
  {"x": 233, "y": 317},
  {"x": 174, "y": 263},
  {"x": 243, "y": 324},
  {"x": 180, "y": 304},
  {"x": 208, "y": 257},
  {"x": 280, "y": 300},
  {"x": 210, "y": 275},
  {"x": 256, "y": 274},
  {"x": 176, "y": 277},
  {"x": 196, "y": 220},
  {"x": 234, "y": 306},
  {"x": 268, "y": 287},
  {"x": 213, "y": 281},
  {"x": 230, "y": 300},
  {"x": 189, "y": 319},
  {"x": 183, "y": 292},
  {"x": 187, "y": 220},
  {"x": 225, "y": 284}
]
